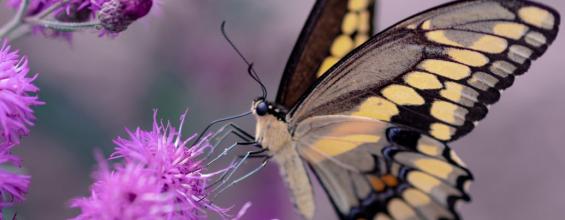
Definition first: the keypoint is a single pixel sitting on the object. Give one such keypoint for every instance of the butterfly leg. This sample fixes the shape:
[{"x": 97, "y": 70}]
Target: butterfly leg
[
  {"x": 247, "y": 175},
  {"x": 224, "y": 132}
]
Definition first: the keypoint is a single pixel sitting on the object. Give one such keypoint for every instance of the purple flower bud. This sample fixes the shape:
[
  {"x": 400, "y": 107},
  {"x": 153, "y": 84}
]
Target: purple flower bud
[{"x": 116, "y": 15}]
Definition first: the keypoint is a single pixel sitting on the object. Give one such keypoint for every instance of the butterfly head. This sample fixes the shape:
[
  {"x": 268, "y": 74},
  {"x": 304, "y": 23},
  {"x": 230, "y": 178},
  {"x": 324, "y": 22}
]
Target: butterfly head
[{"x": 261, "y": 107}]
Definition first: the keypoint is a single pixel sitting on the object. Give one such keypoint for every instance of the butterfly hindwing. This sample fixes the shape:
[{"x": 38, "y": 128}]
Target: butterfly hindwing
[
  {"x": 376, "y": 170},
  {"x": 332, "y": 30},
  {"x": 438, "y": 71}
]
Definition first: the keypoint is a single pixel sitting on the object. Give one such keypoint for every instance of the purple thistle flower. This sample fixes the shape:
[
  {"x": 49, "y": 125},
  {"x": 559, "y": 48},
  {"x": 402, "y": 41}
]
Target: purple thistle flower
[
  {"x": 17, "y": 96},
  {"x": 129, "y": 192},
  {"x": 13, "y": 186},
  {"x": 176, "y": 168}
]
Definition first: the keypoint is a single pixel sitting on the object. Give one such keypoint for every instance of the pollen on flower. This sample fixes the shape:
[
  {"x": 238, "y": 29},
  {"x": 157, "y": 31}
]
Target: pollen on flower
[{"x": 17, "y": 96}]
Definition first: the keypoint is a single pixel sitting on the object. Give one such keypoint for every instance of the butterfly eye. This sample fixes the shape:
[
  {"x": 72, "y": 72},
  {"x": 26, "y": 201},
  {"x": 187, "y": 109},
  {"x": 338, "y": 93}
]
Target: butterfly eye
[{"x": 262, "y": 108}]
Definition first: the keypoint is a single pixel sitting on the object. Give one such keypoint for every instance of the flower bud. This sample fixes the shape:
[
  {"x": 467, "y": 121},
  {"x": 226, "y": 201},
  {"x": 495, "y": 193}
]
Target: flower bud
[{"x": 116, "y": 15}]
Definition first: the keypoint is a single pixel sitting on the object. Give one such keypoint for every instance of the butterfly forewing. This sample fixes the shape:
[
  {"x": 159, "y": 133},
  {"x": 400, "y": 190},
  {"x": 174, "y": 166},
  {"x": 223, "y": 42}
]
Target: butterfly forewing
[
  {"x": 332, "y": 30},
  {"x": 438, "y": 71}
]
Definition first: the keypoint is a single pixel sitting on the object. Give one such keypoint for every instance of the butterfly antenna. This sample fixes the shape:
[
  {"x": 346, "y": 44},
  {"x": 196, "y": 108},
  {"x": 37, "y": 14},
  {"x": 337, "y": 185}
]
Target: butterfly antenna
[
  {"x": 251, "y": 71},
  {"x": 201, "y": 134}
]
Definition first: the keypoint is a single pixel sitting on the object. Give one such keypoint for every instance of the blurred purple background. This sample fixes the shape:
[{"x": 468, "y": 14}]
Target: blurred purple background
[{"x": 176, "y": 59}]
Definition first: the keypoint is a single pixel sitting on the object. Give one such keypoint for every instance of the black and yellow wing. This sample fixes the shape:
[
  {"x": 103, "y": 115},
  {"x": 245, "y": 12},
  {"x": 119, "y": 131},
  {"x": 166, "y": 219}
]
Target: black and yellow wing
[
  {"x": 438, "y": 71},
  {"x": 333, "y": 29},
  {"x": 376, "y": 170},
  {"x": 419, "y": 84}
]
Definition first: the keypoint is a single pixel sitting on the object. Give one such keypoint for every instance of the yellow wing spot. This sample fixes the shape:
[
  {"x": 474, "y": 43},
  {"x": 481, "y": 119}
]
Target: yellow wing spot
[
  {"x": 457, "y": 159},
  {"x": 441, "y": 131},
  {"x": 435, "y": 167},
  {"x": 400, "y": 210},
  {"x": 377, "y": 184},
  {"x": 427, "y": 25},
  {"x": 356, "y": 5},
  {"x": 519, "y": 53},
  {"x": 439, "y": 37},
  {"x": 411, "y": 26},
  {"x": 446, "y": 69},
  {"x": 460, "y": 94},
  {"x": 490, "y": 44},
  {"x": 502, "y": 68},
  {"x": 349, "y": 24},
  {"x": 364, "y": 22},
  {"x": 510, "y": 30},
  {"x": 486, "y": 43},
  {"x": 360, "y": 39},
  {"x": 334, "y": 146},
  {"x": 448, "y": 112},
  {"x": 416, "y": 198},
  {"x": 536, "y": 16},
  {"x": 430, "y": 147},
  {"x": 381, "y": 216},
  {"x": 423, "y": 181},
  {"x": 341, "y": 45},
  {"x": 468, "y": 57},
  {"x": 421, "y": 80},
  {"x": 467, "y": 185},
  {"x": 377, "y": 108},
  {"x": 402, "y": 95},
  {"x": 535, "y": 39},
  {"x": 482, "y": 81},
  {"x": 326, "y": 65}
]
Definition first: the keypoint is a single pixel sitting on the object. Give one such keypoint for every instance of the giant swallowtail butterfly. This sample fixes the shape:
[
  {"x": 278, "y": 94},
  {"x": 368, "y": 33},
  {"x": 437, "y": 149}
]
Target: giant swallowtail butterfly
[{"x": 371, "y": 116}]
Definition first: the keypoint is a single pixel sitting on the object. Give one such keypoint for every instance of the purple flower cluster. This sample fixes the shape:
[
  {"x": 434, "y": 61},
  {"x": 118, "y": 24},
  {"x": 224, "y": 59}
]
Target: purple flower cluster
[
  {"x": 161, "y": 177},
  {"x": 17, "y": 96},
  {"x": 114, "y": 15}
]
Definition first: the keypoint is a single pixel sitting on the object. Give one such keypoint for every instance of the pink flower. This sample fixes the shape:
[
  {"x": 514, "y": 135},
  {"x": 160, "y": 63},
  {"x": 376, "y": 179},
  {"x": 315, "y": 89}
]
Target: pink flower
[
  {"x": 129, "y": 192},
  {"x": 165, "y": 163},
  {"x": 17, "y": 96},
  {"x": 13, "y": 186}
]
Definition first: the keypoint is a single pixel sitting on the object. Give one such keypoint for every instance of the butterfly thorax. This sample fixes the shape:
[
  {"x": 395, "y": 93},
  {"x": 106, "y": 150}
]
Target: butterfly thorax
[
  {"x": 271, "y": 129},
  {"x": 273, "y": 134}
]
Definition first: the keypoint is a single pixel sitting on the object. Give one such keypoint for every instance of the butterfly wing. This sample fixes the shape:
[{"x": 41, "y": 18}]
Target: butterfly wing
[
  {"x": 438, "y": 71},
  {"x": 372, "y": 169},
  {"x": 432, "y": 75},
  {"x": 333, "y": 28}
]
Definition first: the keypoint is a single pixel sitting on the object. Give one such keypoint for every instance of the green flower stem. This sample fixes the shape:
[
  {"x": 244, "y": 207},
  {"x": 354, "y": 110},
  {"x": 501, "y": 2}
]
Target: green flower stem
[
  {"x": 21, "y": 25},
  {"x": 63, "y": 26},
  {"x": 16, "y": 21}
]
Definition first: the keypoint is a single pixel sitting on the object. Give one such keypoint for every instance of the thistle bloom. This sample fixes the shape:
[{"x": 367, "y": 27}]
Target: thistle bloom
[
  {"x": 171, "y": 177},
  {"x": 13, "y": 186},
  {"x": 17, "y": 96},
  {"x": 129, "y": 192}
]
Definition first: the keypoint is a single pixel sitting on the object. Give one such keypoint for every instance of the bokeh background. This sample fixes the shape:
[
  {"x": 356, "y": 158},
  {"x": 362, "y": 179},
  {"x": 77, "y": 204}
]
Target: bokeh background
[{"x": 176, "y": 59}]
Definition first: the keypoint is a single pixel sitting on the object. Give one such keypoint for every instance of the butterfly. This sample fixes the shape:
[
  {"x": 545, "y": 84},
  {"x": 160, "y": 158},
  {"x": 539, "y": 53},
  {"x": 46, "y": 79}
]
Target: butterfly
[{"x": 371, "y": 116}]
